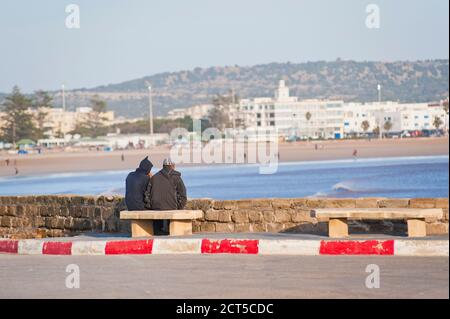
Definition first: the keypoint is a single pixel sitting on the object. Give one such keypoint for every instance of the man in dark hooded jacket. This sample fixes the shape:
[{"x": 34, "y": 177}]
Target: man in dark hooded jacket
[
  {"x": 166, "y": 190},
  {"x": 136, "y": 184}
]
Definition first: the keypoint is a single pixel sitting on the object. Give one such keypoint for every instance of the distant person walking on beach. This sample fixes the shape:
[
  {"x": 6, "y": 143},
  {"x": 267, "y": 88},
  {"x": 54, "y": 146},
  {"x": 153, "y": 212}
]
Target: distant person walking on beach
[
  {"x": 136, "y": 184},
  {"x": 7, "y": 161},
  {"x": 355, "y": 153},
  {"x": 122, "y": 158}
]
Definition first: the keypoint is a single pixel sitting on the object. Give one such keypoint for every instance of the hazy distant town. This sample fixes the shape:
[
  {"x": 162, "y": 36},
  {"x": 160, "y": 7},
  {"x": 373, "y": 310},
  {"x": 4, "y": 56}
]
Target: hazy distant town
[{"x": 31, "y": 124}]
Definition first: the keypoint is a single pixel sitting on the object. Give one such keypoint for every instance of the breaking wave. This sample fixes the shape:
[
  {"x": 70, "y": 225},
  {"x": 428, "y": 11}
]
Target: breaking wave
[{"x": 345, "y": 187}]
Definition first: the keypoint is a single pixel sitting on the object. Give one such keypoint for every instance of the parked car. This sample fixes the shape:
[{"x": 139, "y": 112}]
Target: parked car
[
  {"x": 427, "y": 133},
  {"x": 292, "y": 138},
  {"x": 405, "y": 134},
  {"x": 416, "y": 133}
]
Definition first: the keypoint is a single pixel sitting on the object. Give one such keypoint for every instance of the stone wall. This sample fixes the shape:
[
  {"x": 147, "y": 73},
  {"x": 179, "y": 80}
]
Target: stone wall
[{"x": 54, "y": 216}]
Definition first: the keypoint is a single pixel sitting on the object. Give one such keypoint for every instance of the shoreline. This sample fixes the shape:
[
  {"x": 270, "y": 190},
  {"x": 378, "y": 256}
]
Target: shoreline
[
  {"x": 73, "y": 162},
  {"x": 200, "y": 166}
]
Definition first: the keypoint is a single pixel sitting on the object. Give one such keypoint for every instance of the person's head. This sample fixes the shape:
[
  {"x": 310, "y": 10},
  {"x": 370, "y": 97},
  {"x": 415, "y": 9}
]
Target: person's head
[
  {"x": 146, "y": 166},
  {"x": 168, "y": 164}
]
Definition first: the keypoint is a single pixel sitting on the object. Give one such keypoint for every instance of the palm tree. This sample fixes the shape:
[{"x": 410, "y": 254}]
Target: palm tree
[
  {"x": 376, "y": 130},
  {"x": 308, "y": 116},
  {"x": 365, "y": 125},
  {"x": 41, "y": 101},
  {"x": 437, "y": 123},
  {"x": 387, "y": 126}
]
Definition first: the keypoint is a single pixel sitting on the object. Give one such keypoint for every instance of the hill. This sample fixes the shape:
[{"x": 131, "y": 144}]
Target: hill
[{"x": 405, "y": 81}]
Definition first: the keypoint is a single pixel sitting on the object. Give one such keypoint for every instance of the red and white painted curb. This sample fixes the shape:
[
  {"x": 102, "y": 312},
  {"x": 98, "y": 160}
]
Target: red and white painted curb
[{"x": 401, "y": 247}]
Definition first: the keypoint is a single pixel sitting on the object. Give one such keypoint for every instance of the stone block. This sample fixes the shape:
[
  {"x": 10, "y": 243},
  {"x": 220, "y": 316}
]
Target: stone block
[
  {"x": 11, "y": 210},
  {"x": 225, "y": 227},
  {"x": 393, "y": 203},
  {"x": 245, "y": 203},
  {"x": 257, "y": 228},
  {"x": 282, "y": 216},
  {"x": 85, "y": 212},
  {"x": 240, "y": 217},
  {"x": 224, "y": 216},
  {"x": 269, "y": 216},
  {"x": 196, "y": 227},
  {"x": 6, "y": 221},
  {"x": 81, "y": 224},
  {"x": 366, "y": 203},
  {"x": 75, "y": 211},
  {"x": 68, "y": 223},
  {"x": 281, "y": 204},
  {"x": 242, "y": 228},
  {"x": 255, "y": 216},
  {"x": 201, "y": 204},
  {"x": 38, "y": 221},
  {"x": 340, "y": 203},
  {"x": 212, "y": 215},
  {"x": 316, "y": 203},
  {"x": 59, "y": 223},
  {"x": 207, "y": 227},
  {"x": 442, "y": 203},
  {"x": 20, "y": 210},
  {"x": 80, "y": 200},
  {"x": 262, "y": 203},
  {"x": 301, "y": 216},
  {"x": 437, "y": 228},
  {"x": 300, "y": 203},
  {"x": 224, "y": 205},
  {"x": 48, "y": 222},
  {"x": 422, "y": 203}
]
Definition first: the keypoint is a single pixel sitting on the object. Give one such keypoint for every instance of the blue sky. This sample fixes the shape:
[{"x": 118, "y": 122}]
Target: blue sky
[{"x": 125, "y": 39}]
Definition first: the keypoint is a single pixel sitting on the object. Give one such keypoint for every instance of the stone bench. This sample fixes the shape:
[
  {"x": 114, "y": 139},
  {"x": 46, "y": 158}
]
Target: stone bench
[
  {"x": 337, "y": 225},
  {"x": 180, "y": 221}
]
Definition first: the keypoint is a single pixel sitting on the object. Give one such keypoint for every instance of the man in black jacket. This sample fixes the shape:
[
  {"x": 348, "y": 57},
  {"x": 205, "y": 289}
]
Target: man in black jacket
[
  {"x": 166, "y": 190},
  {"x": 136, "y": 184}
]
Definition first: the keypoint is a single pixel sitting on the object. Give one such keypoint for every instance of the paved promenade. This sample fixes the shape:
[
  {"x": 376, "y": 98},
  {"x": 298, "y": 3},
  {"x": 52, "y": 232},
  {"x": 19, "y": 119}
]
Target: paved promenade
[{"x": 223, "y": 276}]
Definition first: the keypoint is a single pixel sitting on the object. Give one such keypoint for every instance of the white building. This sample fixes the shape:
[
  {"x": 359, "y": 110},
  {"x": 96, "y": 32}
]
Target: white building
[
  {"x": 60, "y": 122},
  {"x": 403, "y": 117},
  {"x": 334, "y": 119},
  {"x": 196, "y": 112},
  {"x": 289, "y": 116}
]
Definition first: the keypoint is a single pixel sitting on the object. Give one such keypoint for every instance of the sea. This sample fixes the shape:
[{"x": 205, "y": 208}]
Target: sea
[{"x": 395, "y": 177}]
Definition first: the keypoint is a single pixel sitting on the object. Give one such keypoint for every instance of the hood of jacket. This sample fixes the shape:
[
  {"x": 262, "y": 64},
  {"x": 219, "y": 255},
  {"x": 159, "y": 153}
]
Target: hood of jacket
[{"x": 145, "y": 166}]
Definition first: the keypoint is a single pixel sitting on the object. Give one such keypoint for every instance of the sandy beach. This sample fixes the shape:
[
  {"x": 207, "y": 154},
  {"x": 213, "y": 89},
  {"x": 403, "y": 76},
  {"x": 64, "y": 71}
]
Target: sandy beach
[{"x": 62, "y": 162}]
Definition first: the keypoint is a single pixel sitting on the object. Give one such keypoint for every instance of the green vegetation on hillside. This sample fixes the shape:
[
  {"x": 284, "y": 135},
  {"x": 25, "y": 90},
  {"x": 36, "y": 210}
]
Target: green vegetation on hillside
[{"x": 404, "y": 81}]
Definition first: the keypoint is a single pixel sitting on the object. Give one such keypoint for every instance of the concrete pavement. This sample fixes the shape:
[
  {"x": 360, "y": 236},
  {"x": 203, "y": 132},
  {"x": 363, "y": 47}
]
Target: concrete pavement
[{"x": 223, "y": 276}]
